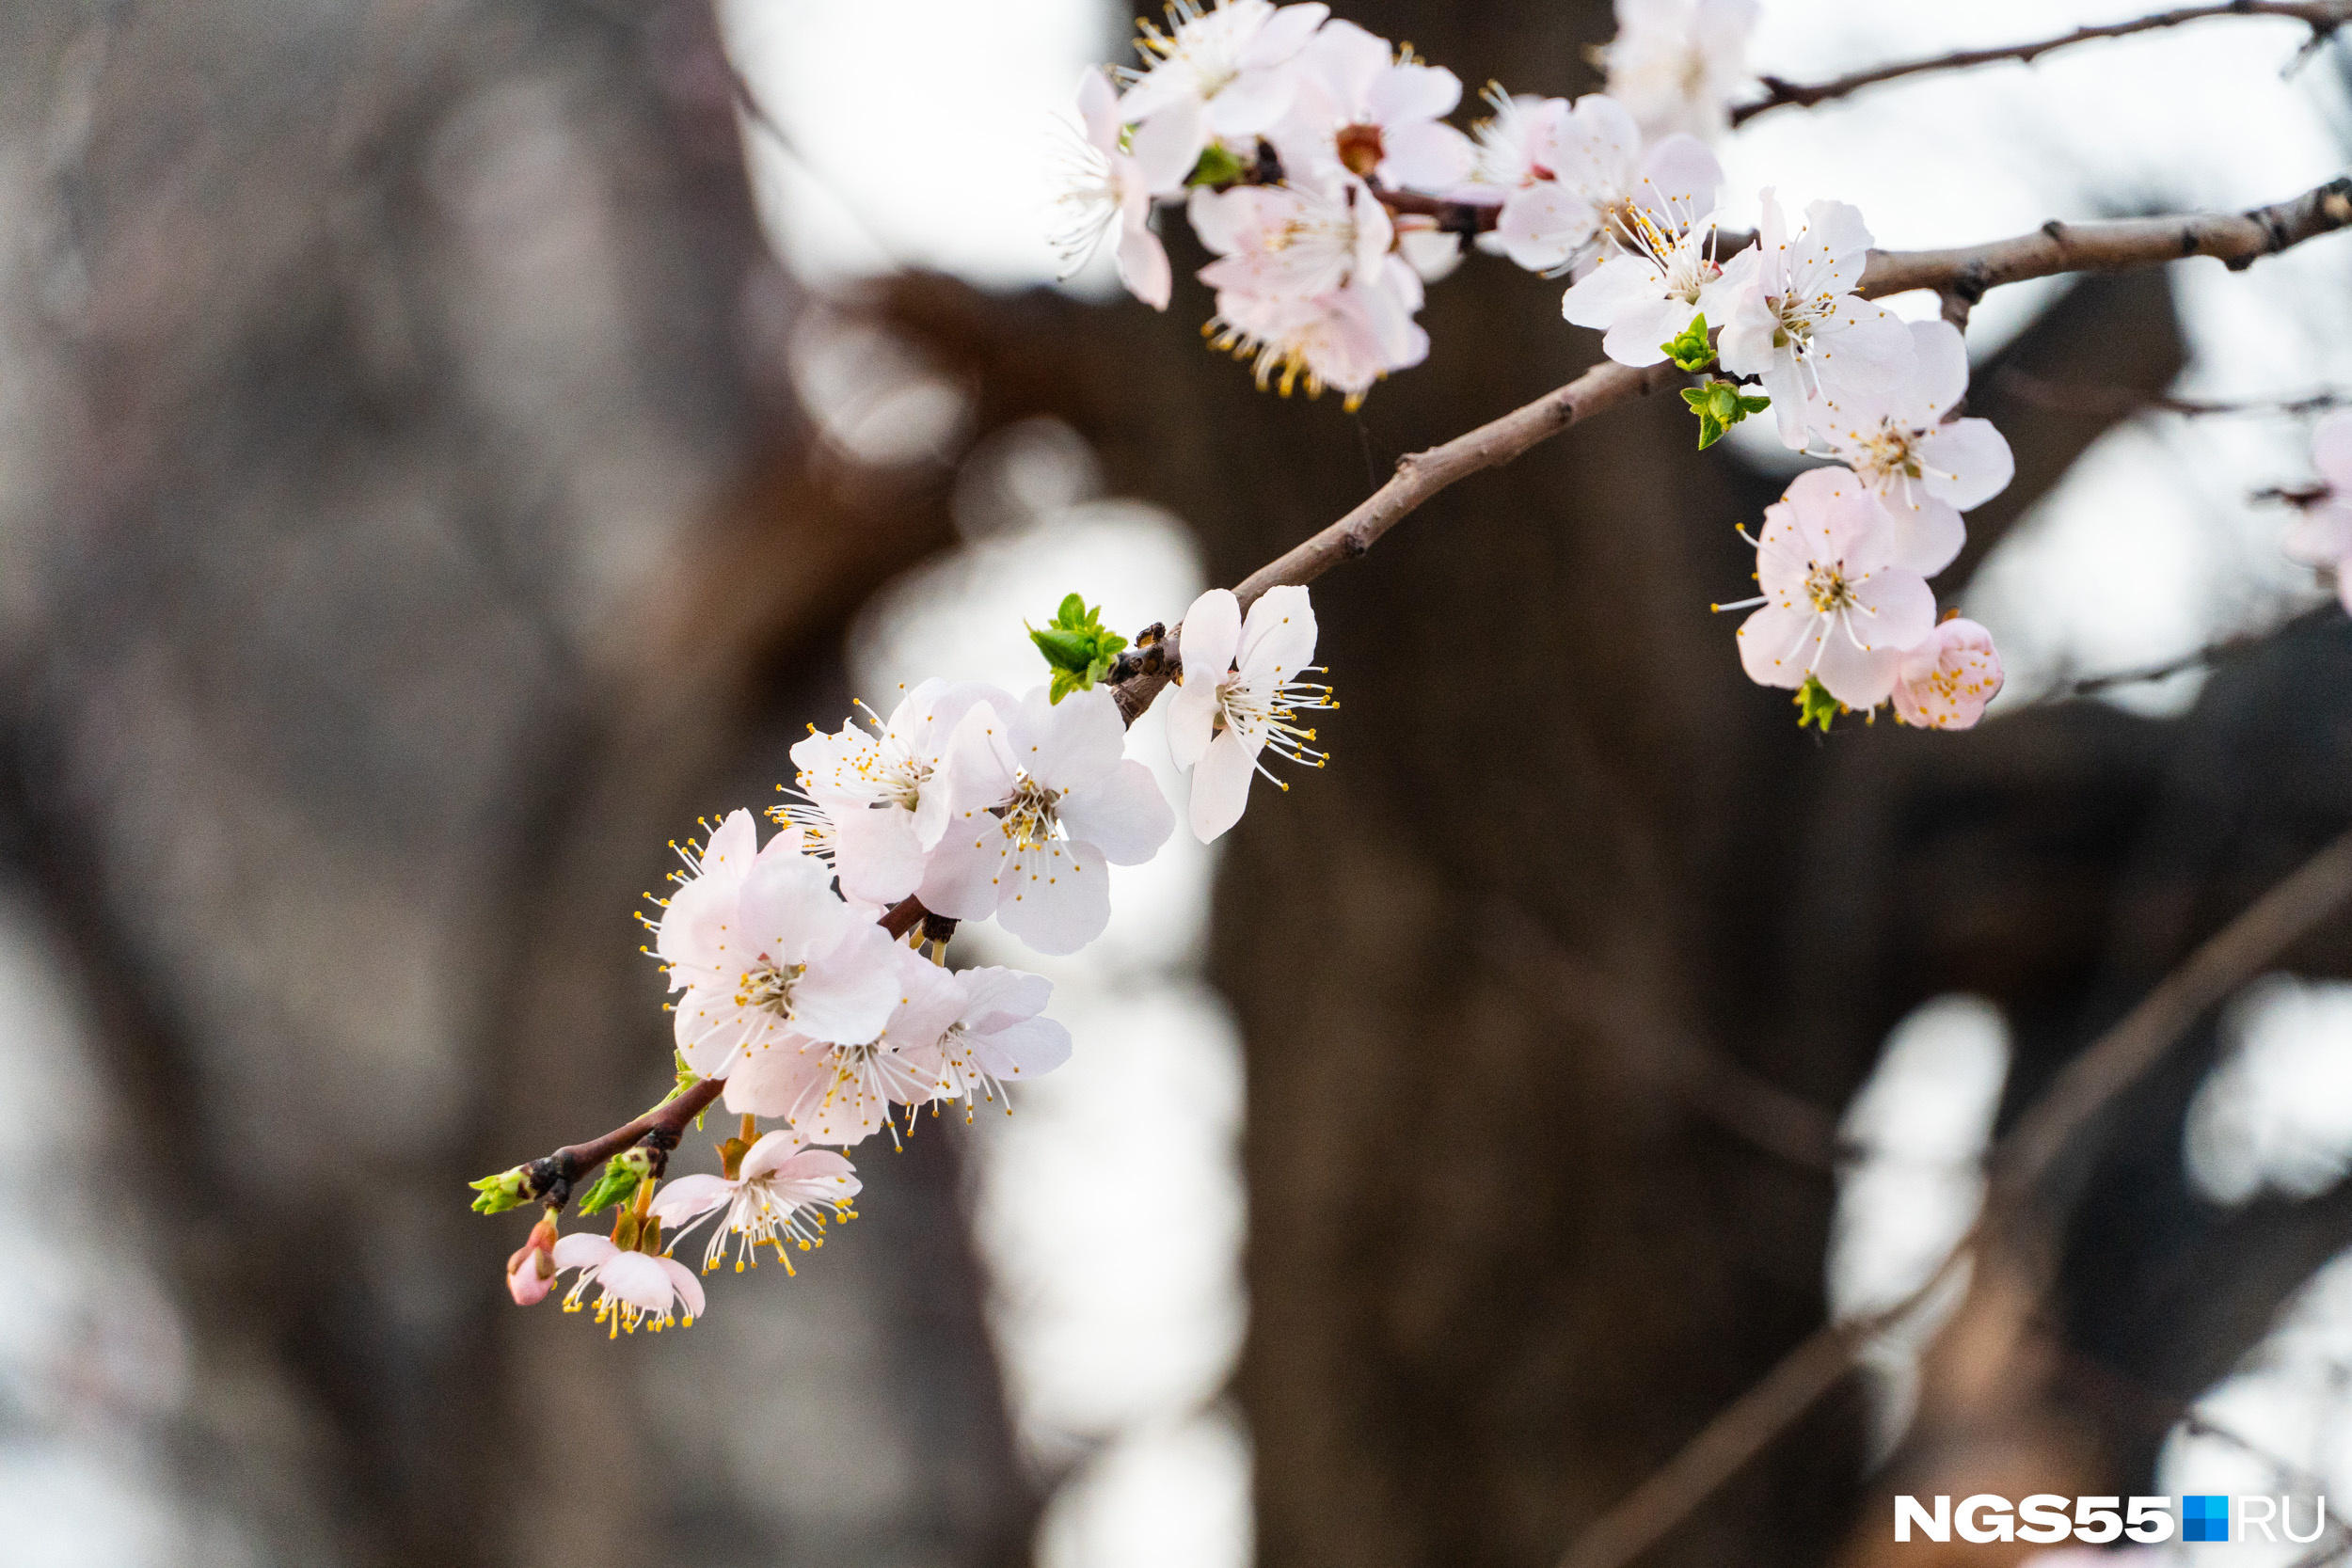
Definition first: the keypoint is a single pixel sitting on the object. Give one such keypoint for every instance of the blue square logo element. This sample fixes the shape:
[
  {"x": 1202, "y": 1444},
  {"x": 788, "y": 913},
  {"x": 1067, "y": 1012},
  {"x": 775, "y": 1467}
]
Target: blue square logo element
[{"x": 2204, "y": 1518}]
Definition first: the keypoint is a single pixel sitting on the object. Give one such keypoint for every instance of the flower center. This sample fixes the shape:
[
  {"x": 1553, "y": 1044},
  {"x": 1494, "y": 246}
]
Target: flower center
[
  {"x": 1030, "y": 818},
  {"x": 1827, "y": 587},
  {"x": 768, "y": 986},
  {"x": 1892, "y": 450},
  {"x": 1359, "y": 150}
]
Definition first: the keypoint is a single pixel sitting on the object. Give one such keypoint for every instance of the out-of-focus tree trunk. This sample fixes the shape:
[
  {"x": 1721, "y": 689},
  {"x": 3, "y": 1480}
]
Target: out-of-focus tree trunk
[{"x": 407, "y": 534}]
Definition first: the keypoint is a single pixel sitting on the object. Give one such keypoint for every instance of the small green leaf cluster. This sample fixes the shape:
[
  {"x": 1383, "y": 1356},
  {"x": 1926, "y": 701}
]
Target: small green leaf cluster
[
  {"x": 1720, "y": 405},
  {"x": 1077, "y": 646},
  {"x": 508, "y": 1189},
  {"x": 618, "y": 1180},
  {"x": 1814, "y": 705},
  {"x": 1691, "y": 351}
]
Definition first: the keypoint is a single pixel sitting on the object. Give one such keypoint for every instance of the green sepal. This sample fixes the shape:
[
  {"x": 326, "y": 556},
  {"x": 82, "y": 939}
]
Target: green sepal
[
  {"x": 1720, "y": 405},
  {"x": 1076, "y": 646},
  {"x": 1814, "y": 705},
  {"x": 508, "y": 1189},
  {"x": 618, "y": 1180},
  {"x": 1691, "y": 351},
  {"x": 1219, "y": 166}
]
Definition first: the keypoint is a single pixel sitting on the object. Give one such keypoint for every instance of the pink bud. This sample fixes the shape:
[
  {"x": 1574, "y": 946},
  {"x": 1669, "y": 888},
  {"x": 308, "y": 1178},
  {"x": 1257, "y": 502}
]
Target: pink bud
[{"x": 531, "y": 1272}]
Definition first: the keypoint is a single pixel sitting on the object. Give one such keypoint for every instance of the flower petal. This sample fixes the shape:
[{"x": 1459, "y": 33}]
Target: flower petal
[
  {"x": 582, "y": 1249},
  {"x": 848, "y": 994},
  {"x": 1058, "y": 900},
  {"x": 1967, "y": 462},
  {"x": 1220, "y": 786},
  {"x": 689, "y": 1196},
  {"x": 1278, "y": 638},
  {"x": 1124, "y": 815},
  {"x": 1070, "y": 744}
]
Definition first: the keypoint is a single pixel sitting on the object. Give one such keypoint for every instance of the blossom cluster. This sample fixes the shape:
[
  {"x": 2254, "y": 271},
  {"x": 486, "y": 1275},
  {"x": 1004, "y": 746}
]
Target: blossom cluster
[
  {"x": 964, "y": 804},
  {"x": 1317, "y": 165}
]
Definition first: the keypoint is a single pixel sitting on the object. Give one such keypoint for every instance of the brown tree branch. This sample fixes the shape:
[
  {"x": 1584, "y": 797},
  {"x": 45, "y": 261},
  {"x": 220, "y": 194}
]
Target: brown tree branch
[
  {"x": 552, "y": 1175},
  {"x": 2118, "y": 401},
  {"x": 2087, "y": 1087},
  {"x": 2324, "y": 16}
]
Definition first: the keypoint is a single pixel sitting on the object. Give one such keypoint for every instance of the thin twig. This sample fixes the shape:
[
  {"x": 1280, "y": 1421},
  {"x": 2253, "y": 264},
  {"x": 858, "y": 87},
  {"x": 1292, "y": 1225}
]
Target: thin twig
[
  {"x": 2083, "y": 1091},
  {"x": 2324, "y": 16},
  {"x": 2196, "y": 659},
  {"x": 2118, "y": 401}
]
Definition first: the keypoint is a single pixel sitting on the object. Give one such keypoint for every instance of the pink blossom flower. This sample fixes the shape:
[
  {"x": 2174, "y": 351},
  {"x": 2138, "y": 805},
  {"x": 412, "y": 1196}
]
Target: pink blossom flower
[
  {"x": 530, "y": 1272},
  {"x": 1217, "y": 73},
  {"x": 996, "y": 1035},
  {"x": 839, "y": 1089},
  {"x": 1291, "y": 242},
  {"x": 782, "y": 1190},
  {"x": 1945, "y": 682},
  {"x": 1836, "y": 605},
  {"x": 1675, "y": 63},
  {"x": 762, "y": 947},
  {"x": 1240, "y": 696},
  {"x": 1105, "y": 187},
  {"x": 1044, "y": 803},
  {"x": 1925, "y": 468},
  {"x": 632, "y": 1288},
  {"x": 1511, "y": 145},
  {"x": 1603, "y": 181},
  {"x": 1653, "y": 280},
  {"x": 1360, "y": 110},
  {"x": 1797, "y": 324},
  {"x": 2321, "y": 536},
  {"x": 882, "y": 795}
]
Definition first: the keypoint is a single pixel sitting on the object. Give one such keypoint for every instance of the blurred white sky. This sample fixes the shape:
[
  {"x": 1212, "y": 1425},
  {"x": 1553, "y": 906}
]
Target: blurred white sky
[{"x": 1116, "y": 1258}]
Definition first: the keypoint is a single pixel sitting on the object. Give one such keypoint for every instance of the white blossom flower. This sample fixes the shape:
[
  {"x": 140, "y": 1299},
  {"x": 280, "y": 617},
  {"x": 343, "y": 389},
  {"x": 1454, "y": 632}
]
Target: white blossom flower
[
  {"x": 1945, "y": 682},
  {"x": 1043, "y": 798},
  {"x": 1511, "y": 144},
  {"x": 1347, "y": 340},
  {"x": 1361, "y": 110},
  {"x": 1217, "y": 73},
  {"x": 1104, "y": 187},
  {"x": 782, "y": 1188},
  {"x": 838, "y": 1089},
  {"x": 1797, "y": 324},
  {"x": 2322, "y": 535},
  {"x": 1674, "y": 64},
  {"x": 1603, "y": 182},
  {"x": 1643, "y": 295},
  {"x": 762, "y": 947},
  {"x": 873, "y": 793},
  {"x": 1239, "y": 695},
  {"x": 1925, "y": 467},
  {"x": 1291, "y": 242},
  {"x": 632, "y": 1288},
  {"x": 1835, "y": 606},
  {"x": 996, "y": 1035}
]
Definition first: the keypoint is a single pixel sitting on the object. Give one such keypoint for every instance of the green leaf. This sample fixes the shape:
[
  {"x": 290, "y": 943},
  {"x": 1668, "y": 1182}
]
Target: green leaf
[
  {"x": 508, "y": 1189},
  {"x": 1218, "y": 166},
  {"x": 618, "y": 1180},
  {"x": 1077, "y": 647},
  {"x": 1814, "y": 705},
  {"x": 1691, "y": 351},
  {"x": 1720, "y": 405}
]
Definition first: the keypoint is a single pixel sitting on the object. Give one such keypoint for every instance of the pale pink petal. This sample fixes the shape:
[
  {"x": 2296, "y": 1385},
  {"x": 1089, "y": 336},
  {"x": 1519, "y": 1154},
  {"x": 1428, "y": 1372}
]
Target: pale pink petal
[
  {"x": 1345, "y": 61},
  {"x": 1251, "y": 102},
  {"x": 1098, "y": 107},
  {"x": 788, "y": 909},
  {"x": 1412, "y": 93},
  {"x": 1597, "y": 299},
  {"x": 1029, "y": 1049},
  {"x": 876, "y": 853},
  {"x": 582, "y": 1249},
  {"x": 1068, "y": 744},
  {"x": 931, "y": 999},
  {"x": 1900, "y": 611},
  {"x": 1220, "y": 786},
  {"x": 682, "y": 1281},
  {"x": 775, "y": 1079},
  {"x": 1869, "y": 348},
  {"x": 770, "y": 1152},
  {"x": 1967, "y": 462},
  {"x": 810, "y": 1166},
  {"x": 1947, "y": 681},
  {"x": 848, "y": 994},
  {"x": 1859, "y": 679},
  {"x": 1939, "y": 378},
  {"x": 1545, "y": 223},
  {"x": 1061, "y": 899},
  {"x": 1285, "y": 34},
  {"x": 999, "y": 996},
  {"x": 698, "y": 927},
  {"x": 1168, "y": 141},
  {"x": 689, "y": 1196},
  {"x": 525, "y": 1281},
  {"x": 1643, "y": 328},
  {"x": 1123, "y": 814},
  {"x": 1836, "y": 228},
  {"x": 1678, "y": 174},
  {"x": 1426, "y": 155},
  {"x": 1143, "y": 263},
  {"x": 2320, "y": 535},
  {"x": 1278, "y": 638},
  {"x": 1211, "y": 633},
  {"x": 1776, "y": 646},
  {"x": 1927, "y": 533}
]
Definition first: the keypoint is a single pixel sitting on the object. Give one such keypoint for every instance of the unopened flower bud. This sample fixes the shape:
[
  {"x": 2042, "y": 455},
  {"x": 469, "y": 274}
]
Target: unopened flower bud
[
  {"x": 530, "y": 1272},
  {"x": 508, "y": 1189}
]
